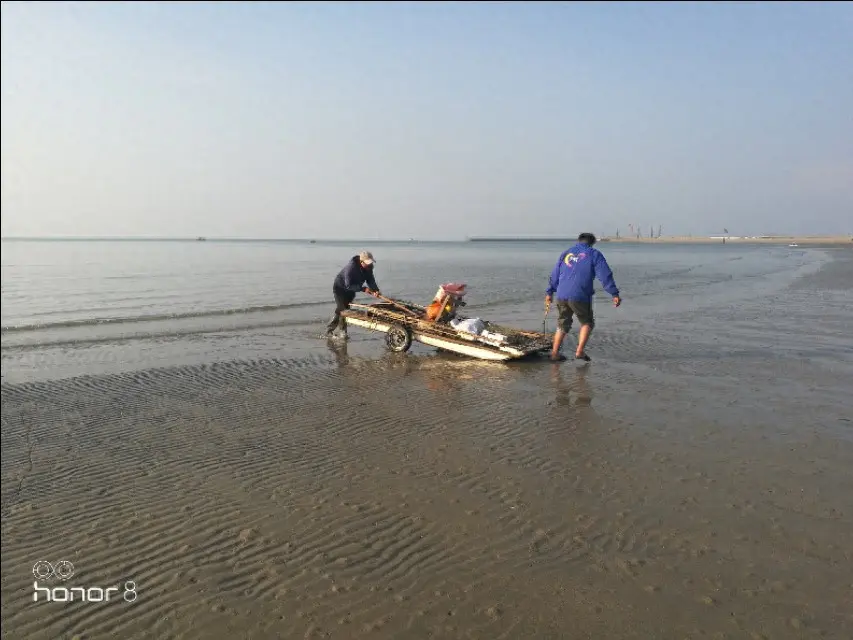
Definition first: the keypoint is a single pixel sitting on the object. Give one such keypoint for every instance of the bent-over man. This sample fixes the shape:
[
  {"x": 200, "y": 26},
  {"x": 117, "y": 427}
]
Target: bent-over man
[{"x": 349, "y": 281}]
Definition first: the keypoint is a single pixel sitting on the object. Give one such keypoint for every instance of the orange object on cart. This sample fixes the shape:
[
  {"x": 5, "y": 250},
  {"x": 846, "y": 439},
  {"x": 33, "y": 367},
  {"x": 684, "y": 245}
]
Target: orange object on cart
[{"x": 446, "y": 299}]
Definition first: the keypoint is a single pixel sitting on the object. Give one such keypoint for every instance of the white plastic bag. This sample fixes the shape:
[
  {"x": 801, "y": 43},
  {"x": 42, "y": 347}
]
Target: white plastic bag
[
  {"x": 493, "y": 337},
  {"x": 471, "y": 325}
]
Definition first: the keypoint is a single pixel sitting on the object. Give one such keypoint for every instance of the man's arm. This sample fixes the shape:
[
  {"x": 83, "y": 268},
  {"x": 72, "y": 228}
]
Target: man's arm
[
  {"x": 371, "y": 281},
  {"x": 605, "y": 275},
  {"x": 554, "y": 279}
]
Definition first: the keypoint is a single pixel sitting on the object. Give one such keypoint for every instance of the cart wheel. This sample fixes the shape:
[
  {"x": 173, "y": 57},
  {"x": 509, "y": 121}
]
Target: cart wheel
[{"x": 398, "y": 338}]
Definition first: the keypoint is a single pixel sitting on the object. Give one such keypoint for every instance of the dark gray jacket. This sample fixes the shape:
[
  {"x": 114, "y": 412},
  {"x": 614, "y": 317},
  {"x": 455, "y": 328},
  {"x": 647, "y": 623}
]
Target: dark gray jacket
[{"x": 353, "y": 276}]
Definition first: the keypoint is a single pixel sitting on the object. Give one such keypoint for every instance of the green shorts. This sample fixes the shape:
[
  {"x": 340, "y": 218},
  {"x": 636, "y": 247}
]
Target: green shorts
[{"x": 568, "y": 308}]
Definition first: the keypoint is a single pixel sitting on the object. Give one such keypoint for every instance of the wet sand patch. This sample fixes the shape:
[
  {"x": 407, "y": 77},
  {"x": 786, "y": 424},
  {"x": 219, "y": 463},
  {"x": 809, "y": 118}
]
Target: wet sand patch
[{"x": 413, "y": 496}]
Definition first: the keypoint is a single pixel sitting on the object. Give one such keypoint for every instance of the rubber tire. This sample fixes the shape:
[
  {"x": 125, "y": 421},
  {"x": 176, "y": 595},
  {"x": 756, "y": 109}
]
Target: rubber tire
[{"x": 398, "y": 338}]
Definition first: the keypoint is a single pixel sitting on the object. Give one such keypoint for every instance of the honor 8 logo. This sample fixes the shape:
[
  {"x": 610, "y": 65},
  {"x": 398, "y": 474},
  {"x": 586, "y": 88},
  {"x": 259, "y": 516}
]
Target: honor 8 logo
[{"x": 62, "y": 571}]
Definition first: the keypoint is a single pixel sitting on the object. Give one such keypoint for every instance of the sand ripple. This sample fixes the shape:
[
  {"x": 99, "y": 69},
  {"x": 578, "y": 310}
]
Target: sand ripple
[{"x": 407, "y": 497}]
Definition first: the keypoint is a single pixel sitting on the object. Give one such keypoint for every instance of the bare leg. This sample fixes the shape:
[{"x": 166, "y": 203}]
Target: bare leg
[
  {"x": 558, "y": 340},
  {"x": 583, "y": 336}
]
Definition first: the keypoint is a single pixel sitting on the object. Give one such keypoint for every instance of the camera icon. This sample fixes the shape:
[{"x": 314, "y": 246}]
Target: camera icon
[{"x": 44, "y": 570}]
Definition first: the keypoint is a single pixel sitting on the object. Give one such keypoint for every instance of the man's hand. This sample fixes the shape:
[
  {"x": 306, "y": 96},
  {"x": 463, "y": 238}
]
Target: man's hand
[
  {"x": 617, "y": 301},
  {"x": 547, "y": 304}
]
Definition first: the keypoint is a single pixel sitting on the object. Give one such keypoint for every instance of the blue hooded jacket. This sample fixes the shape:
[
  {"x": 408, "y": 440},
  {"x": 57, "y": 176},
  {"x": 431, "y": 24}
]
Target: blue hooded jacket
[
  {"x": 352, "y": 277},
  {"x": 575, "y": 272}
]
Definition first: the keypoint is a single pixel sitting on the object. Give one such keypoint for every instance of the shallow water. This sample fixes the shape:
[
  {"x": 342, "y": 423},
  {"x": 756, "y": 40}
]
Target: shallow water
[{"x": 67, "y": 305}]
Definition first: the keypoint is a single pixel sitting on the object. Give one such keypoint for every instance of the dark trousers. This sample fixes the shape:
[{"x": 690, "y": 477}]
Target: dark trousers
[{"x": 343, "y": 299}]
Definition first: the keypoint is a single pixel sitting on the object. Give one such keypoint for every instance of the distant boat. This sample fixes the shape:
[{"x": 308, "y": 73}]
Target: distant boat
[
  {"x": 793, "y": 244},
  {"x": 313, "y": 242},
  {"x": 201, "y": 239}
]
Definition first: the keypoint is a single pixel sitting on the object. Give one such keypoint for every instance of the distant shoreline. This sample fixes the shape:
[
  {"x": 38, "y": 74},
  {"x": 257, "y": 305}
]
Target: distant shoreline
[
  {"x": 776, "y": 240},
  {"x": 213, "y": 239},
  {"x": 772, "y": 240},
  {"x": 784, "y": 240}
]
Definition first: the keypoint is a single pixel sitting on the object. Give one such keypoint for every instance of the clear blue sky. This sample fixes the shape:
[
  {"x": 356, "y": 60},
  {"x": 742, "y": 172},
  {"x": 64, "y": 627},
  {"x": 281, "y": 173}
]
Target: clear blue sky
[{"x": 439, "y": 120}]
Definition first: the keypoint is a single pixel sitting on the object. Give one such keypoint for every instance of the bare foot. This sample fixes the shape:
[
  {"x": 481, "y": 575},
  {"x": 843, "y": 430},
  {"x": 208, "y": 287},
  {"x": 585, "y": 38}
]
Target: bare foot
[{"x": 582, "y": 356}]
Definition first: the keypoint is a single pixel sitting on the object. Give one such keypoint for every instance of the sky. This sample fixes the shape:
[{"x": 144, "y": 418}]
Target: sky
[{"x": 426, "y": 120}]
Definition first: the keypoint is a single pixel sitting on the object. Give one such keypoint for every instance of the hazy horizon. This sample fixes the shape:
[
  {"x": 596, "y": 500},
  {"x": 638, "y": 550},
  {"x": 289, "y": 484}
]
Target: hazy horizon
[{"x": 429, "y": 121}]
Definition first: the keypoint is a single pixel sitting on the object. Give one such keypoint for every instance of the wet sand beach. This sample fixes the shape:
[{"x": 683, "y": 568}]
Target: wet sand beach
[
  {"x": 685, "y": 484},
  {"x": 288, "y": 499}
]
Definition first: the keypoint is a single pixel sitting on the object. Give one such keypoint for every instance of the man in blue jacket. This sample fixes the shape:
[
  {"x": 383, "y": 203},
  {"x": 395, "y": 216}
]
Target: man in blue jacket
[
  {"x": 572, "y": 282},
  {"x": 349, "y": 281}
]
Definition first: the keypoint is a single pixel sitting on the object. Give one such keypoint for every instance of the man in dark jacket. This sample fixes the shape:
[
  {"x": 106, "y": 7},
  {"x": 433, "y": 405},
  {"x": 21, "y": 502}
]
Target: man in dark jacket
[{"x": 349, "y": 281}]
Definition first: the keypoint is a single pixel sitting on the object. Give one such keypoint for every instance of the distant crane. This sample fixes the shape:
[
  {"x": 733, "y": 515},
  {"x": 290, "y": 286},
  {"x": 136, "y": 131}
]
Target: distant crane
[{"x": 659, "y": 229}]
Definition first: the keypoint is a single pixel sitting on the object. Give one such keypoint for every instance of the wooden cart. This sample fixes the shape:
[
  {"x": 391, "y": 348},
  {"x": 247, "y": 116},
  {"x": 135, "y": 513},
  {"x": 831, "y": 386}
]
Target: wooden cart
[{"x": 404, "y": 323}]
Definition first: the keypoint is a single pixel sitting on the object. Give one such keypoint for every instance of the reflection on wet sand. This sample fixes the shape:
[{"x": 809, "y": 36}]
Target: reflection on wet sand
[
  {"x": 339, "y": 350},
  {"x": 572, "y": 388}
]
